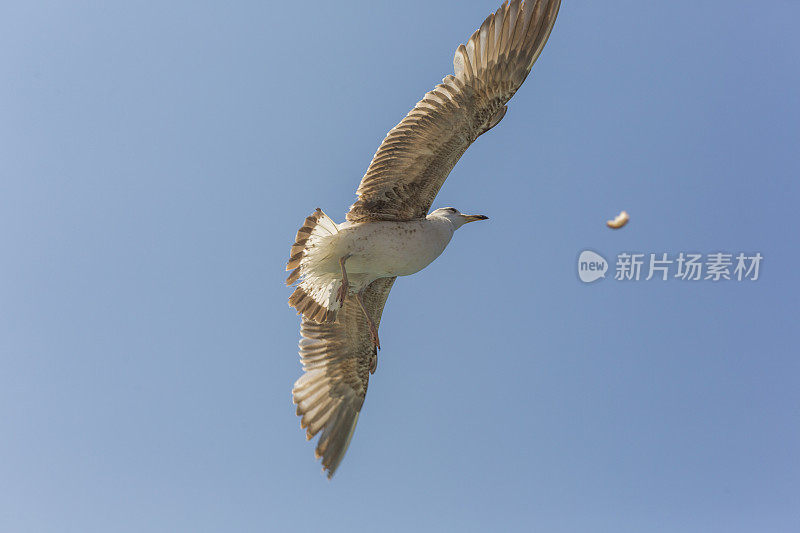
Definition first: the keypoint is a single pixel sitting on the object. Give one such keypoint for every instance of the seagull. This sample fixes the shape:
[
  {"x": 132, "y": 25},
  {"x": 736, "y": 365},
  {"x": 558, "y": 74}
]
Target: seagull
[{"x": 343, "y": 273}]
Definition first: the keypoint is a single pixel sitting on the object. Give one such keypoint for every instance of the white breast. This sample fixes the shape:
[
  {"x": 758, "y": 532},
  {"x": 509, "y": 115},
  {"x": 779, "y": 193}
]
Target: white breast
[{"x": 393, "y": 248}]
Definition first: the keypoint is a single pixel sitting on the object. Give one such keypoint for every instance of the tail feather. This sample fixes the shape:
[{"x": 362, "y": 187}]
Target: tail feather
[
  {"x": 318, "y": 224},
  {"x": 307, "y": 306},
  {"x": 315, "y": 294}
]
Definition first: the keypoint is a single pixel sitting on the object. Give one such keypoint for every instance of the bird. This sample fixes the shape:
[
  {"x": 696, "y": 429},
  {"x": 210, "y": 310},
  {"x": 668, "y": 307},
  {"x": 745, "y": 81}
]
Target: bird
[{"x": 342, "y": 273}]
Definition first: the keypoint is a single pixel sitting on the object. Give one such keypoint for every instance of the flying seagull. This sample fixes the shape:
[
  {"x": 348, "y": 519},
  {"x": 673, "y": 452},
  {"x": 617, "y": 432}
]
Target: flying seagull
[{"x": 343, "y": 272}]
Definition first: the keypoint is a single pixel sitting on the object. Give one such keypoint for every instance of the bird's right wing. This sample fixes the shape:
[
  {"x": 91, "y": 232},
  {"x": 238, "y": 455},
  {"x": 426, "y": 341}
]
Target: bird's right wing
[
  {"x": 416, "y": 156},
  {"x": 338, "y": 358}
]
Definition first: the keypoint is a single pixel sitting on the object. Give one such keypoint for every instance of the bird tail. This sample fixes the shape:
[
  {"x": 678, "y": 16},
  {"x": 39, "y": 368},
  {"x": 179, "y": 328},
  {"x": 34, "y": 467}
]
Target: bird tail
[{"x": 314, "y": 297}]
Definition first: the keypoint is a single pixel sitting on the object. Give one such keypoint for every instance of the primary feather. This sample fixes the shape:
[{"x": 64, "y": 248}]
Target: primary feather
[{"x": 417, "y": 155}]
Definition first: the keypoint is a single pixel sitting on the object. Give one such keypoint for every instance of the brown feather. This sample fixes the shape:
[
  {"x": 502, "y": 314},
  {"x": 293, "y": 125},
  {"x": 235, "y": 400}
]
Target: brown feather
[
  {"x": 306, "y": 306},
  {"x": 294, "y": 276},
  {"x": 337, "y": 358},
  {"x": 417, "y": 155}
]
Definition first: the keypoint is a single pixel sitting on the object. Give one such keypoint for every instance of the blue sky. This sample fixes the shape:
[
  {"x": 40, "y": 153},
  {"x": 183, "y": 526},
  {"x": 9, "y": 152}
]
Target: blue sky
[{"x": 156, "y": 161}]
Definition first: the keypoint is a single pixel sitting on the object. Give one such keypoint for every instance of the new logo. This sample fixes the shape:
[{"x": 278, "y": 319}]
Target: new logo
[{"x": 591, "y": 266}]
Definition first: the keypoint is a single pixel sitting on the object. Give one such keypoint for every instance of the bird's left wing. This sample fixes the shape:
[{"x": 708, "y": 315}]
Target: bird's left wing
[
  {"x": 416, "y": 156},
  {"x": 337, "y": 358}
]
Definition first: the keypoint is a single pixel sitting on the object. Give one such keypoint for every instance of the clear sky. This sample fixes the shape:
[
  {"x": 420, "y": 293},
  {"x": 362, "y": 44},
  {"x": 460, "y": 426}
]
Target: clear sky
[{"x": 156, "y": 160}]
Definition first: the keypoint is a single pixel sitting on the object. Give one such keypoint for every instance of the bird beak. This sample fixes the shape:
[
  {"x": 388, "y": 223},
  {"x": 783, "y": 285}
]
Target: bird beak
[{"x": 473, "y": 218}]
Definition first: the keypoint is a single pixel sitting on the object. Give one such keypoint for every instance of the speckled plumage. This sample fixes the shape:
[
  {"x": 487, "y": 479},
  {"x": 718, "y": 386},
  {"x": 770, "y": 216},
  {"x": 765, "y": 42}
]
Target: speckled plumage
[{"x": 388, "y": 232}]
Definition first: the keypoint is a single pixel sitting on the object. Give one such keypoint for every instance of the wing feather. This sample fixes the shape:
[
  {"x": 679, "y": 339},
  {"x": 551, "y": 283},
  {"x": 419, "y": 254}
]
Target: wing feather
[
  {"x": 337, "y": 358},
  {"x": 416, "y": 156}
]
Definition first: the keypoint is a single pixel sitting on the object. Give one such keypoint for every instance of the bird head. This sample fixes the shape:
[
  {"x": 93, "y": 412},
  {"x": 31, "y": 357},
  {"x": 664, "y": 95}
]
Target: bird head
[{"x": 456, "y": 217}]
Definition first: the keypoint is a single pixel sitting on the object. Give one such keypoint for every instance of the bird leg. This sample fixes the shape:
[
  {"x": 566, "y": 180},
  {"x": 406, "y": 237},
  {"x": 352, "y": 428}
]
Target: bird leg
[
  {"x": 345, "y": 284},
  {"x": 373, "y": 329}
]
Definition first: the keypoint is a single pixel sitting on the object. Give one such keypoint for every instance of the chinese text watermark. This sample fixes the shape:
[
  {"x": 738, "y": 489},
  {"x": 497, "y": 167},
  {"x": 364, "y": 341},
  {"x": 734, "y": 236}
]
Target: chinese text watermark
[{"x": 687, "y": 266}]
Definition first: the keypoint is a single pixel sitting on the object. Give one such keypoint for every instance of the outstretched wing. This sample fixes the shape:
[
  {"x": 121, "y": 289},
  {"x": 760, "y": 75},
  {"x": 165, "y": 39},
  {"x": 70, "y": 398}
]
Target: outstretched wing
[
  {"x": 416, "y": 156},
  {"x": 338, "y": 358}
]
